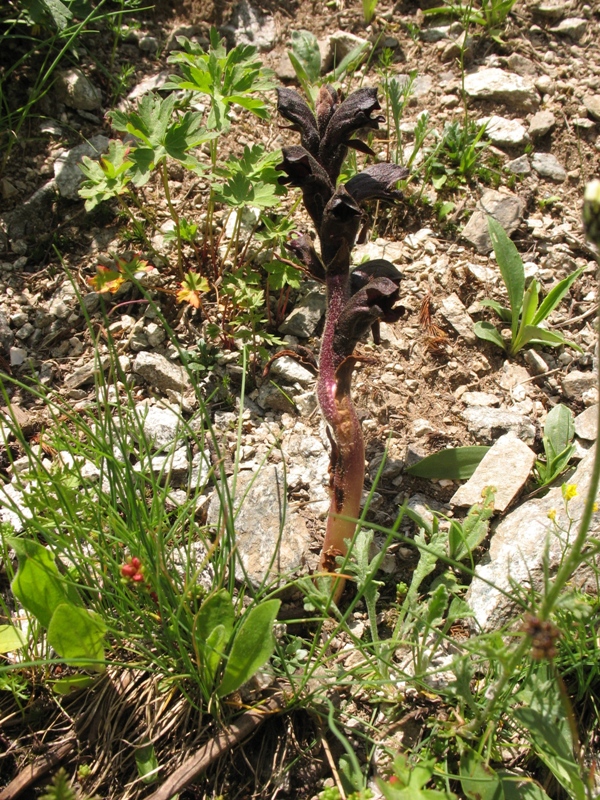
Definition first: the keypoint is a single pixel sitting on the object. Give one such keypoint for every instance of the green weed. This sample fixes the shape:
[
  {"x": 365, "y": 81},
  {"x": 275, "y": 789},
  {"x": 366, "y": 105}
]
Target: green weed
[{"x": 525, "y": 313}]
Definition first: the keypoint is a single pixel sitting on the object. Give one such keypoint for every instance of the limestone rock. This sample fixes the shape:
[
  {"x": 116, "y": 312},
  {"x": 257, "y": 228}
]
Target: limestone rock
[
  {"x": 67, "y": 174},
  {"x": 541, "y": 124},
  {"x": 504, "y": 87},
  {"x": 34, "y": 216},
  {"x": 505, "y": 132},
  {"x": 576, "y": 383},
  {"x": 269, "y": 540},
  {"x": 488, "y": 424},
  {"x": 572, "y": 27},
  {"x": 506, "y": 466},
  {"x": 519, "y": 166},
  {"x": 548, "y": 166},
  {"x": 586, "y": 424},
  {"x": 86, "y": 373},
  {"x": 249, "y": 25},
  {"x": 592, "y": 105},
  {"x": 6, "y": 335},
  {"x": 76, "y": 90},
  {"x": 160, "y": 373},
  {"x": 455, "y": 313},
  {"x": 484, "y": 399},
  {"x": 505, "y": 207},
  {"x": 306, "y": 315},
  {"x": 517, "y": 549},
  {"x": 291, "y": 371},
  {"x": 162, "y": 426},
  {"x": 336, "y": 47}
]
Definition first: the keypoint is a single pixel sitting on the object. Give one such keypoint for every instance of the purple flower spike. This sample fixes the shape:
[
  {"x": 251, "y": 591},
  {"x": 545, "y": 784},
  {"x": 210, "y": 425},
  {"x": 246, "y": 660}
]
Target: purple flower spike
[{"x": 356, "y": 301}]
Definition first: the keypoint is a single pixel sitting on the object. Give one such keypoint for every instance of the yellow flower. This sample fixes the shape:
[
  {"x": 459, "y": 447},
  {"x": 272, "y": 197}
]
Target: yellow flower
[
  {"x": 569, "y": 491},
  {"x": 595, "y": 507},
  {"x": 552, "y": 514}
]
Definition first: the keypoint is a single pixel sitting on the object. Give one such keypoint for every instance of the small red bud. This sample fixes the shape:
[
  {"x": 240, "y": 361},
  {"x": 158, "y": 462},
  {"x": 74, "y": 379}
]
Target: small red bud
[
  {"x": 128, "y": 570},
  {"x": 135, "y": 562},
  {"x": 137, "y": 577}
]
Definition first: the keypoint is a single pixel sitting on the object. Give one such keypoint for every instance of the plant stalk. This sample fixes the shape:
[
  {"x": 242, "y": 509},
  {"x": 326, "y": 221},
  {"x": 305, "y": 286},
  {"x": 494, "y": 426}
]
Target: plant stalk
[{"x": 347, "y": 464}]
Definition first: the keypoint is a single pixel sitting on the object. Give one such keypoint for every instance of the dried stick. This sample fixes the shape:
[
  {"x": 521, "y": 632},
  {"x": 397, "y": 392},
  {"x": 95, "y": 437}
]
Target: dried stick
[
  {"x": 195, "y": 765},
  {"x": 36, "y": 770}
]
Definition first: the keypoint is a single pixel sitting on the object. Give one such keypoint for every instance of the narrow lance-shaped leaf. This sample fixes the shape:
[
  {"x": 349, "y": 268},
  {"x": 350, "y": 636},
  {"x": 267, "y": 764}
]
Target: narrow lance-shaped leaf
[
  {"x": 455, "y": 463},
  {"x": 554, "y": 297},
  {"x": 511, "y": 268},
  {"x": 530, "y": 303},
  {"x": 533, "y": 333},
  {"x": 503, "y": 312}
]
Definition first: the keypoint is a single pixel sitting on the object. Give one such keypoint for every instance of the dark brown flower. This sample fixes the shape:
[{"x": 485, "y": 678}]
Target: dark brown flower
[
  {"x": 341, "y": 223},
  {"x": 328, "y": 100},
  {"x": 302, "y": 248},
  {"x": 377, "y": 183},
  {"x": 373, "y": 303},
  {"x": 350, "y": 116},
  {"x": 305, "y": 172},
  {"x": 292, "y": 107},
  {"x": 377, "y": 268}
]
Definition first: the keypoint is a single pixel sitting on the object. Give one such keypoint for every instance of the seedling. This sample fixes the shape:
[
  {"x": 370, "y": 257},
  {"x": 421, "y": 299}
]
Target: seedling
[
  {"x": 492, "y": 14},
  {"x": 525, "y": 314},
  {"x": 315, "y": 167},
  {"x": 559, "y": 431}
]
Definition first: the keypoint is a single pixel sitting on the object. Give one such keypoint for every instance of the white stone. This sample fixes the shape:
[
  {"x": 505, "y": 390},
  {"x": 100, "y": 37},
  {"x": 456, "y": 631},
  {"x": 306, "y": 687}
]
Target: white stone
[
  {"x": 455, "y": 313},
  {"x": 501, "y": 86},
  {"x": 586, "y": 423},
  {"x": 518, "y": 551},
  {"x": 548, "y": 166},
  {"x": 506, "y": 466},
  {"x": 505, "y": 132}
]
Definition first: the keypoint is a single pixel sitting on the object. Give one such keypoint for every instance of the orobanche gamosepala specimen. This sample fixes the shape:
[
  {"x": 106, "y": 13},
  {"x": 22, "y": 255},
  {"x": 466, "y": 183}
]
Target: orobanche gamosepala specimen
[{"x": 356, "y": 300}]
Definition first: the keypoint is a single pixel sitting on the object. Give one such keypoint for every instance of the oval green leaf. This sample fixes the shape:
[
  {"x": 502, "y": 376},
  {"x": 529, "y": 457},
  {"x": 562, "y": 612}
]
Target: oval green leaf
[
  {"x": 485, "y": 330},
  {"x": 11, "y": 638},
  {"x": 77, "y": 634},
  {"x": 252, "y": 646}
]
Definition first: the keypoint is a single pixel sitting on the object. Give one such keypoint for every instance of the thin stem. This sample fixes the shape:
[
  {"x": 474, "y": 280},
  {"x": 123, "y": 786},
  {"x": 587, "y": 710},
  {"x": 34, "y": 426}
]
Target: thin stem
[{"x": 174, "y": 216}]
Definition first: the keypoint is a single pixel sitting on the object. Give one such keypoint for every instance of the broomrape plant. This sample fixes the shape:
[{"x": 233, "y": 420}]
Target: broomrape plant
[{"x": 356, "y": 301}]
